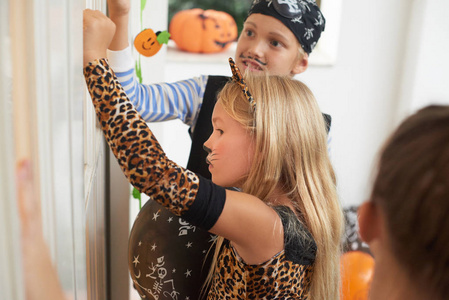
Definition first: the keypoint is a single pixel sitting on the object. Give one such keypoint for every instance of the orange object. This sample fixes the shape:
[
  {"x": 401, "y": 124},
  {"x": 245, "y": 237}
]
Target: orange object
[
  {"x": 357, "y": 270},
  {"x": 203, "y": 31},
  {"x": 149, "y": 43}
]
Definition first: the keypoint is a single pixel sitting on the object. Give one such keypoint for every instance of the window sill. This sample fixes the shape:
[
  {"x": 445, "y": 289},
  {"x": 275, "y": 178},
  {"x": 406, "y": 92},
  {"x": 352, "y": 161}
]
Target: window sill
[{"x": 176, "y": 55}]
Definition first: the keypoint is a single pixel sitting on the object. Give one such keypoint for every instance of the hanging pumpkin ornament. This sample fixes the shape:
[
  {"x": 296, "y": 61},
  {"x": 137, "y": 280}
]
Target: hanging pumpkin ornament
[
  {"x": 357, "y": 270},
  {"x": 203, "y": 31},
  {"x": 149, "y": 43}
]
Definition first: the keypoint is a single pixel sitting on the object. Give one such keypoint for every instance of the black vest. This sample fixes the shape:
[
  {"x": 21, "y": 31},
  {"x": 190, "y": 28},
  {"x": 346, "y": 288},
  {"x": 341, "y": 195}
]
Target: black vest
[{"x": 203, "y": 128}]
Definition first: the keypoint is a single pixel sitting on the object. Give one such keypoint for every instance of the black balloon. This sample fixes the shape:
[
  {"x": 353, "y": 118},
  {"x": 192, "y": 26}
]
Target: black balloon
[{"x": 166, "y": 255}]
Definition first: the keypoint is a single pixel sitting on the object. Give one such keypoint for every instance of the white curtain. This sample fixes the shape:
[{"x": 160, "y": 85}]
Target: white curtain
[{"x": 46, "y": 117}]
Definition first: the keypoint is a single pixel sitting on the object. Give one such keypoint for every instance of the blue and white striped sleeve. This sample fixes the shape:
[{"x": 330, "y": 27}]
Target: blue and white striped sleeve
[{"x": 162, "y": 101}]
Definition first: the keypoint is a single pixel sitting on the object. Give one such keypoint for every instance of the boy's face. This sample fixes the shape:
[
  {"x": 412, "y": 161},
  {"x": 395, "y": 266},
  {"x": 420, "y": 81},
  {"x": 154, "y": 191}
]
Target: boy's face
[{"x": 266, "y": 44}]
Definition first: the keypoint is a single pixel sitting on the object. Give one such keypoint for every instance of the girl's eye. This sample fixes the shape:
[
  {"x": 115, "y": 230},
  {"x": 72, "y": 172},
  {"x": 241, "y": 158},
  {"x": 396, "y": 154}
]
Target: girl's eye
[{"x": 219, "y": 131}]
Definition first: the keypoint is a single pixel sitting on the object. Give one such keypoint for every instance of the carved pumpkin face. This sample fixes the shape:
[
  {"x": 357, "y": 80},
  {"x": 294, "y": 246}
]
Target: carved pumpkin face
[
  {"x": 199, "y": 31},
  {"x": 146, "y": 43}
]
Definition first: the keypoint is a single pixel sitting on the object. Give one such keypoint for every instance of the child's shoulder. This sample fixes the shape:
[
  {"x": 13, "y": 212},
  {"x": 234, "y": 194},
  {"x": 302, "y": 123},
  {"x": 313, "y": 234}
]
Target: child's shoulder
[{"x": 299, "y": 244}]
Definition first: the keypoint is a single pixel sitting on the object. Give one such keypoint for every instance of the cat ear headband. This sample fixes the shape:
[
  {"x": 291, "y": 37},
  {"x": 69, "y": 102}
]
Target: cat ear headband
[{"x": 238, "y": 78}]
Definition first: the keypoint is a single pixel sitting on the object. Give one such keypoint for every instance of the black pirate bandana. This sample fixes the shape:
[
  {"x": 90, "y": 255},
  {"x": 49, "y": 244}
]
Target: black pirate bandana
[{"x": 302, "y": 17}]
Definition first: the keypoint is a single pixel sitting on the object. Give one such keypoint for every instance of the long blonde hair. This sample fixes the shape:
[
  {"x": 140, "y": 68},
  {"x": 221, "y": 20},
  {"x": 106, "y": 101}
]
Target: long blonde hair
[{"x": 290, "y": 138}]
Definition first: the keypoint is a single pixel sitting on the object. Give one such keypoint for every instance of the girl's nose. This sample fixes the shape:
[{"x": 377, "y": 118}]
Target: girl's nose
[{"x": 208, "y": 150}]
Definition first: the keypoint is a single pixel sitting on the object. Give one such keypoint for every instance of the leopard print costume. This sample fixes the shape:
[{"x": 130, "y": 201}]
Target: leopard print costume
[
  {"x": 285, "y": 276},
  {"x": 277, "y": 278},
  {"x": 137, "y": 150}
]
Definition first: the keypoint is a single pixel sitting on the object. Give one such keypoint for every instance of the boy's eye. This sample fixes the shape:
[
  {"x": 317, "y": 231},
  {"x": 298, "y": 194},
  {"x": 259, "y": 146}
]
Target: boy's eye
[
  {"x": 276, "y": 43},
  {"x": 249, "y": 33}
]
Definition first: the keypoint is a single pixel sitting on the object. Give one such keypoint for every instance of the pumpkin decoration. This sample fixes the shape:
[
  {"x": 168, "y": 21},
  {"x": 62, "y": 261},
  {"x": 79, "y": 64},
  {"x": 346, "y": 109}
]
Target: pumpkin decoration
[
  {"x": 149, "y": 43},
  {"x": 203, "y": 31},
  {"x": 357, "y": 270}
]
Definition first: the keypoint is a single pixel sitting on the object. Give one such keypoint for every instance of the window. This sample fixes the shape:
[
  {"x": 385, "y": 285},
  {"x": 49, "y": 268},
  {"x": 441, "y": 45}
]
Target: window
[
  {"x": 236, "y": 8},
  {"x": 325, "y": 53}
]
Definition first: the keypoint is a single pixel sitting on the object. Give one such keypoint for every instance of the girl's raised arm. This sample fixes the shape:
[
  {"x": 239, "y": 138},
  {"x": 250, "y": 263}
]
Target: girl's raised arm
[
  {"x": 119, "y": 13},
  {"x": 253, "y": 227}
]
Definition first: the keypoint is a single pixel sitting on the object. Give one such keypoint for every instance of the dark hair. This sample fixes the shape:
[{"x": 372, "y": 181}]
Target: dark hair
[{"x": 412, "y": 189}]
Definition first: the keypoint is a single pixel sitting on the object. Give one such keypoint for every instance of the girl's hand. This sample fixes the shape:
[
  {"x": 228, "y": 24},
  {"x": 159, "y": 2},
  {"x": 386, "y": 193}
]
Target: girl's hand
[
  {"x": 118, "y": 11},
  {"x": 98, "y": 31}
]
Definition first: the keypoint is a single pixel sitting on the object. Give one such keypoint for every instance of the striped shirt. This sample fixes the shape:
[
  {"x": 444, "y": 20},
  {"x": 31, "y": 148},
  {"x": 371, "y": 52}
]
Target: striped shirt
[{"x": 160, "y": 101}]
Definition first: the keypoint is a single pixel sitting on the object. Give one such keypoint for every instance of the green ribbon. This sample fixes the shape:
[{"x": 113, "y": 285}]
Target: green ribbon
[{"x": 136, "y": 193}]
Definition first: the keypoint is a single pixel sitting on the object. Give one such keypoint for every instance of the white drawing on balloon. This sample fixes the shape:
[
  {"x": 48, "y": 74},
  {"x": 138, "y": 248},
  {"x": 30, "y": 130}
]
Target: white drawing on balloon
[
  {"x": 156, "y": 215},
  {"x": 159, "y": 273},
  {"x": 188, "y": 273},
  {"x": 185, "y": 227},
  {"x": 158, "y": 268},
  {"x": 213, "y": 238},
  {"x": 136, "y": 260}
]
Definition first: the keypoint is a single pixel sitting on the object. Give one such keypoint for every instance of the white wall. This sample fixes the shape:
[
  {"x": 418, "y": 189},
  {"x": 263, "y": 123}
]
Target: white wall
[
  {"x": 360, "y": 91},
  {"x": 364, "y": 89},
  {"x": 425, "y": 78}
]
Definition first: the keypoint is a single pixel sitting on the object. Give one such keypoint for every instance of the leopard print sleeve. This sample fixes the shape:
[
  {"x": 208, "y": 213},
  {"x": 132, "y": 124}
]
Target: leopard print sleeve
[{"x": 137, "y": 150}]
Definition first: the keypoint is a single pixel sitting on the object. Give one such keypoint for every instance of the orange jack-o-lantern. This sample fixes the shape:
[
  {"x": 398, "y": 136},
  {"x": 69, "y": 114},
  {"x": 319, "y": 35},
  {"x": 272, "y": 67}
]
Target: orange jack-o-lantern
[
  {"x": 149, "y": 43},
  {"x": 357, "y": 270},
  {"x": 203, "y": 31}
]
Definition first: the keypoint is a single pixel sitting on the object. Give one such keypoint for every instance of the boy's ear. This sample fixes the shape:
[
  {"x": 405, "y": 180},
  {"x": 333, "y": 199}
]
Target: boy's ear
[
  {"x": 369, "y": 222},
  {"x": 301, "y": 65}
]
